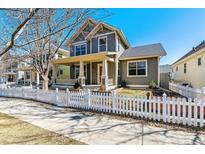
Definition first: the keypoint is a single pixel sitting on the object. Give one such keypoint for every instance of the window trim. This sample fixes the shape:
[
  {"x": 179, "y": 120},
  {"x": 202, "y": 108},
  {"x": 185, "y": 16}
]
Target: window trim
[
  {"x": 198, "y": 61},
  {"x": 99, "y": 43},
  {"x": 146, "y": 71},
  {"x": 80, "y": 45},
  {"x": 185, "y": 68}
]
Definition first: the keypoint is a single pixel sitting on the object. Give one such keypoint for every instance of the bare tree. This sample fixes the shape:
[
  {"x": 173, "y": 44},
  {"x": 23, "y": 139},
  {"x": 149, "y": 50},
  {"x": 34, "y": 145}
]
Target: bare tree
[
  {"x": 45, "y": 34},
  {"x": 18, "y": 30}
]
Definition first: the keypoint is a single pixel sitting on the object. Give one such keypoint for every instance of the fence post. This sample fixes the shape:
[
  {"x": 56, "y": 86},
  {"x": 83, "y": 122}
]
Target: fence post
[
  {"x": 37, "y": 92},
  {"x": 56, "y": 96},
  {"x": 164, "y": 107},
  {"x": 113, "y": 92},
  {"x": 89, "y": 99},
  {"x": 67, "y": 97}
]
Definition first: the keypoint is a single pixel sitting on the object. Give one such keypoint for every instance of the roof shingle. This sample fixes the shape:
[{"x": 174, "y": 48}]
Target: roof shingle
[{"x": 150, "y": 50}]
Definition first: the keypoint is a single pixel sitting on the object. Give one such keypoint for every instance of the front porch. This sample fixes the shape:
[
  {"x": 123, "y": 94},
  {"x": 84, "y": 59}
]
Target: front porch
[{"x": 92, "y": 71}]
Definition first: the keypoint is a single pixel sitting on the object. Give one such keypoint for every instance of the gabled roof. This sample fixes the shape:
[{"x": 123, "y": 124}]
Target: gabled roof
[
  {"x": 95, "y": 29},
  {"x": 151, "y": 50},
  {"x": 193, "y": 51},
  {"x": 117, "y": 30},
  {"x": 83, "y": 26}
]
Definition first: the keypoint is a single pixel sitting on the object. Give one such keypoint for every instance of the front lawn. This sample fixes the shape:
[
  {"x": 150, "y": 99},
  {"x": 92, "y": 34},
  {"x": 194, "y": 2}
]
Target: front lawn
[
  {"x": 143, "y": 92},
  {"x": 15, "y": 131},
  {"x": 133, "y": 92}
]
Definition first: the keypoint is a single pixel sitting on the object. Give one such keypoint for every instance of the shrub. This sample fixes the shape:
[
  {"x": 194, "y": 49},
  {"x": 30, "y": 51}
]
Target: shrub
[
  {"x": 152, "y": 84},
  {"x": 77, "y": 85},
  {"x": 123, "y": 83}
]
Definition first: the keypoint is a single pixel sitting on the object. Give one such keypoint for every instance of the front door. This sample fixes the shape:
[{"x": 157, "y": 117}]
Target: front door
[{"x": 99, "y": 75}]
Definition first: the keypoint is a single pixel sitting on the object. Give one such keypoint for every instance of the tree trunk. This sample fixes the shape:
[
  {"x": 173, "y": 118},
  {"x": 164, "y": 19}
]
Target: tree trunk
[{"x": 45, "y": 82}]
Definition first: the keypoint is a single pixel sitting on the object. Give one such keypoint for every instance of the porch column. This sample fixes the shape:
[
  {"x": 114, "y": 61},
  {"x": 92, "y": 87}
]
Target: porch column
[
  {"x": 91, "y": 78},
  {"x": 81, "y": 77},
  {"x": 54, "y": 73},
  {"x": 37, "y": 78},
  {"x": 116, "y": 71},
  {"x": 105, "y": 75}
]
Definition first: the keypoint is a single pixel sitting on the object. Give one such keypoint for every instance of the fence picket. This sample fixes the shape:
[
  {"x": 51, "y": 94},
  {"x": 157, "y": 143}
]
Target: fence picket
[
  {"x": 134, "y": 106},
  {"x": 201, "y": 112},
  {"x": 189, "y": 111},
  {"x": 164, "y": 107},
  {"x": 120, "y": 105},
  {"x": 173, "y": 109},
  {"x": 126, "y": 103},
  {"x": 158, "y": 109},
  {"x": 145, "y": 101},
  {"x": 168, "y": 110},
  {"x": 150, "y": 107},
  {"x": 130, "y": 105},
  {"x": 154, "y": 108},
  {"x": 138, "y": 105},
  {"x": 195, "y": 111},
  {"x": 184, "y": 111},
  {"x": 178, "y": 110}
]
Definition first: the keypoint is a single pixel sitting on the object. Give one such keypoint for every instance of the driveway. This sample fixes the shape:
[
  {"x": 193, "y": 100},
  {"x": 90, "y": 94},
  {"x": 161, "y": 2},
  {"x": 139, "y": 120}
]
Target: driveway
[{"x": 93, "y": 128}]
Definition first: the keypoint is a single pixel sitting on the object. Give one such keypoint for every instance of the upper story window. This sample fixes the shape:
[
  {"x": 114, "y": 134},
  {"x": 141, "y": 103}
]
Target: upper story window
[
  {"x": 199, "y": 61},
  {"x": 185, "y": 68},
  {"x": 80, "y": 49},
  {"x": 137, "y": 68},
  {"x": 102, "y": 43},
  {"x": 176, "y": 68},
  {"x": 60, "y": 55}
]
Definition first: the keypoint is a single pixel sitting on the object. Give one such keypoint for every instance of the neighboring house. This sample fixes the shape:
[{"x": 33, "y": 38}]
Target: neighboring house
[
  {"x": 190, "y": 69},
  {"x": 8, "y": 72},
  {"x": 27, "y": 75},
  {"x": 100, "y": 55},
  {"x": 165, "y": 75}
]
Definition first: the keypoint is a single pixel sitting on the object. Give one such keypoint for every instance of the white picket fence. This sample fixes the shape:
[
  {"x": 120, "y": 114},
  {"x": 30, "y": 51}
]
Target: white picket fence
[
  {"x": 169, "y": 110},
  {"x": 187, "y": 91}
]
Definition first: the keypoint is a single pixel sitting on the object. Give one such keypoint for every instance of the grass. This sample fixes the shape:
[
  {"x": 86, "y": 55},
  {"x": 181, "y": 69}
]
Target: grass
[
  {"x": 15, "y": 131},
  {"x": 132, "y": 92}
]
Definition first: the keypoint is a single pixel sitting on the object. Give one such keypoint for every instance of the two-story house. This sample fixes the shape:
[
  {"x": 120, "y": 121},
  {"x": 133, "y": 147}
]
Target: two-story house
[{"x": 100, "y": 55}]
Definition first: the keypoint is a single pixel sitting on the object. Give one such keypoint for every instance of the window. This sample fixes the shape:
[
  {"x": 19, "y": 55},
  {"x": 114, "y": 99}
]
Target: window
[
  {"x": 27, "y": 75},
  {"x": 185, "y": 69},
  {"x": 80, "y": 49},
  {"x": 137, "y": 68},
  {"x": 177, "y": 68},
  {"x": 77, "y": 71},
  {"x": 60, "y": 55},
  {"x": 102, "y": 43},
  {"x": 199, "y": 61},
  {"x": 61, "y": 71}
]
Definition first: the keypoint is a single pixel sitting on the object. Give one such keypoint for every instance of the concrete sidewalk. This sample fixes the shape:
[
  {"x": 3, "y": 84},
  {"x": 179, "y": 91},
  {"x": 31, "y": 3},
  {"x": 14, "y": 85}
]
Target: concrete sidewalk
[{"x": 93, "y": 128}]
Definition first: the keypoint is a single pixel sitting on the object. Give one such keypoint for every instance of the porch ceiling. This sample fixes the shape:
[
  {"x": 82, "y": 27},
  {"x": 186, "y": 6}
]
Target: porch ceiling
[{"x": 85, "y": 58}]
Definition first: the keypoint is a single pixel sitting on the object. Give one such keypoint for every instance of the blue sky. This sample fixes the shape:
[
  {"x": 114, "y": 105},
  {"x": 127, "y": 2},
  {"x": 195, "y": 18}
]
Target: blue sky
[{"x": 177, "y": 29}]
